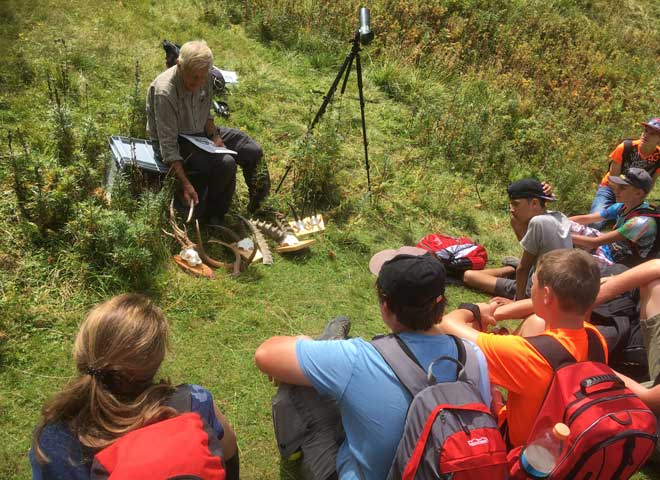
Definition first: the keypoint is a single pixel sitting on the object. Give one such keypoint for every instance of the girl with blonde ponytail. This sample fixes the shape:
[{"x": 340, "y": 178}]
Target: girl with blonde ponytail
[{"x": 117, "y": 353}]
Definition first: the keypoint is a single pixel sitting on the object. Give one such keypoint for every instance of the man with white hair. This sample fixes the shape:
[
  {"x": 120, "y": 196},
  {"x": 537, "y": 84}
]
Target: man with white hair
[{"x": 179, "y": 102}]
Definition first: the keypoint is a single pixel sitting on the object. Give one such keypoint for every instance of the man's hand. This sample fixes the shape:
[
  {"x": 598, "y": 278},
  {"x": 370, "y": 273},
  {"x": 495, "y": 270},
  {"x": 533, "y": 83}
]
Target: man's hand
[
  {"x": 499, "y": 301},
  {"x": 487, "y": 318},
  {"x": 190, "y": 194},
  {"x": 547, "y": 189},
  {"x": 217, "y": 139}
]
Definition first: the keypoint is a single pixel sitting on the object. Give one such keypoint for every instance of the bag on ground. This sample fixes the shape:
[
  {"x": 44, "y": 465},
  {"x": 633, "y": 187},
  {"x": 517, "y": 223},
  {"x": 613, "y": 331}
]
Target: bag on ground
[{"x": 457, "y": 254}]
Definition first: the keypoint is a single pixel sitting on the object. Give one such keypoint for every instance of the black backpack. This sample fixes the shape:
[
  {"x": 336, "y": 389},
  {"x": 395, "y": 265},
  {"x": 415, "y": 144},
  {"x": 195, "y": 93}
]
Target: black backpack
[
  {"x": 618, "y": 322},
  {"x": 627, "y": 159}
]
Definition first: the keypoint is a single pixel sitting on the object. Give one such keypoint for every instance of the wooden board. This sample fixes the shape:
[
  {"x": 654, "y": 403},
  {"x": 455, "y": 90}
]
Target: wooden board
[
  {"x": 201, "y": 270},
  {"x": 294, "y": 248},
  {"x": 308, "y": 227},
  {"x": 246, "y": 253}
]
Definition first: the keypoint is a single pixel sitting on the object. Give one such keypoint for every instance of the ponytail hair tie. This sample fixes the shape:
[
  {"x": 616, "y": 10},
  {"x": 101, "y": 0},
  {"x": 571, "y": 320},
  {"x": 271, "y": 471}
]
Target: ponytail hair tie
[{"x": 95, "y": 372}]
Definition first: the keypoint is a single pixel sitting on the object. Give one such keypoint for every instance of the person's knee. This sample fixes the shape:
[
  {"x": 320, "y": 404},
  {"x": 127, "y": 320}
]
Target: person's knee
[
  {"x": 250, "y": 155},
  {"x": 256, "y": 151},
  {"x": 469, "y": 277},
  {"x": 531, "y": 326},
  {"x": 650, "y": 293},
  {"x": 226, "y": 166}
]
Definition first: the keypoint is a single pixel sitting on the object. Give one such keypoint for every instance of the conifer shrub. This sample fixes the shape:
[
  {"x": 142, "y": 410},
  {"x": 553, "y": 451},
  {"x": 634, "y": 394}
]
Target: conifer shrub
[{"x": 121, "y": 243}]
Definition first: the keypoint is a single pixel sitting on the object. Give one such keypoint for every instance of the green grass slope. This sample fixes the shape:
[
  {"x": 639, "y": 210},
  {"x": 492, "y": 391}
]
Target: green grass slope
[{"x": 462, "y": 97}]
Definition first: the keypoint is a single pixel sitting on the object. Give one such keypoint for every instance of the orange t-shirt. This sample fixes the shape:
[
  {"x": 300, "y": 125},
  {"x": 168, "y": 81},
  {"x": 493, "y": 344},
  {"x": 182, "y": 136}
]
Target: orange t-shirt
[
  {"x": 646, "y": 163},
  {"x": 515, "y": 365}
]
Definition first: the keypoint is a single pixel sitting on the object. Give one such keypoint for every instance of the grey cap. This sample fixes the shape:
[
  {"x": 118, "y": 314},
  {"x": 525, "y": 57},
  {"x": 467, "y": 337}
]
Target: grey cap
[{"x": 635, "y": 177}]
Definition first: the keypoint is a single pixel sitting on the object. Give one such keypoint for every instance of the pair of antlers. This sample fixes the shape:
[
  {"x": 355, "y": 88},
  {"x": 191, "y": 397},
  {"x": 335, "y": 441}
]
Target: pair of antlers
[{"x": 181, "y": 235}]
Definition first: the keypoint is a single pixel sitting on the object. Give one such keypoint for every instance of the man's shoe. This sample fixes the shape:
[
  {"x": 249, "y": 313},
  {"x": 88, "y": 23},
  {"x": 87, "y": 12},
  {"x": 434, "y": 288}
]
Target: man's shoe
[
  {"x": 215, "y": 220},
  {"x": 336, "y": 329},
  {"x": 253, "y": 205},
  {"x": 510, "y": 262}
]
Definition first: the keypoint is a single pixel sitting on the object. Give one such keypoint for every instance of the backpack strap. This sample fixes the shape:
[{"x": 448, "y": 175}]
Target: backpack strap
[
  {"x": 552, "y": 350},
  {"x": 461, "y": 357},
  {"x": 627, "y": 154},
  {"x": 406, "y": 367},
  {"x": 402, "y": 361},
  {"x": 649, "y": 211},
  {"x": 468, "y": 357},
  {"x": 181, "y": 399},
  {"x": 556, "y": 354},
  {"x": 595, "y": 352}
]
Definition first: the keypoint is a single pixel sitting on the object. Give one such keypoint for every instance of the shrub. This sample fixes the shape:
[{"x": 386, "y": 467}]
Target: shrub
[{"x": 123, "y": 246}]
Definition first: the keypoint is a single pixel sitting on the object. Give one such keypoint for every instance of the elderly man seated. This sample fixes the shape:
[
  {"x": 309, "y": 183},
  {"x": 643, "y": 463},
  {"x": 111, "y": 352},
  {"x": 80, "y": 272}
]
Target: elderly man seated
[{"x": 179, "y": 102}]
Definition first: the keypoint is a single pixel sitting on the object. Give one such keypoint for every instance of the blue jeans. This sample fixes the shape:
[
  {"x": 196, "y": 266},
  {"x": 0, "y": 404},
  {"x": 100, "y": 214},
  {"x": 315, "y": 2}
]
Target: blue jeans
[{"x": 603, "y": 199}]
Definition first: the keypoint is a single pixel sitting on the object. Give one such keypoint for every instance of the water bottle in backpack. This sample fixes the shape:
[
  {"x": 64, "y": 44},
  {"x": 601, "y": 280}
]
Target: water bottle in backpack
[{"x": 540, "y": 456}]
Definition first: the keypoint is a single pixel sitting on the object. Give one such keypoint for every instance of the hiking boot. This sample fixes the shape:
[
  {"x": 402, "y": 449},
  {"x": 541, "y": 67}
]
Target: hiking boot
[
  {"x": 510, "y": 262},
  {"x": 336, "y": 329}
]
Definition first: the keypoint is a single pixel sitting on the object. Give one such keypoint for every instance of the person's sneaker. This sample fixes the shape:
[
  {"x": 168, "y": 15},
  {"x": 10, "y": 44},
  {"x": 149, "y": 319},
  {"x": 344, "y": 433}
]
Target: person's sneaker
[
  {"x": 510, "y": 262},
  {"x": 336, "y": 329}
]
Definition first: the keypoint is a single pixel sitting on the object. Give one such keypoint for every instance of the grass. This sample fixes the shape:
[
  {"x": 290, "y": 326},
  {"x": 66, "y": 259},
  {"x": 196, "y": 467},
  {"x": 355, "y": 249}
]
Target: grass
[{"x": 418, "y": 183}]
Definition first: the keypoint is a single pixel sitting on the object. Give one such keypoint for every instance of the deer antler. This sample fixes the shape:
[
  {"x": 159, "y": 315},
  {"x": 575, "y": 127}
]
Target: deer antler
[
  {"x": 180, "y": 235},
  {"x": 202, "y": 253},
  {"x": 239, "y": 264},
  {"x": 237, "y": 239},
  {"x": 259, "y": 241}
]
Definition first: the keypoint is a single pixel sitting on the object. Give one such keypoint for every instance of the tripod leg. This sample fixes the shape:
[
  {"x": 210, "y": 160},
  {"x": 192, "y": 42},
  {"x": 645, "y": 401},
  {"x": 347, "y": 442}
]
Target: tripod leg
[
  {"x": 331, "y": 92},
  {"x": 286, "y": 172},
  {"x": 348, "y": 72},
  {"x": 358, "y": 68},
  {"x": 326, "y": 99}
]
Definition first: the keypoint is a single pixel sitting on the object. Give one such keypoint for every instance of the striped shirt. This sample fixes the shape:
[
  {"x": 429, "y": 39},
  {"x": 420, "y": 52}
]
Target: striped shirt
[{"x": 171, "y": 110}]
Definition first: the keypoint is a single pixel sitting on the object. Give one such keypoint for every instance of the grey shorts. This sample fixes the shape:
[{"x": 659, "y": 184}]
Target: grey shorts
[
  {"x": 651, "y": 336},
  {"x": 505, "y": 287},
  {"x": 304, "y": 421}
]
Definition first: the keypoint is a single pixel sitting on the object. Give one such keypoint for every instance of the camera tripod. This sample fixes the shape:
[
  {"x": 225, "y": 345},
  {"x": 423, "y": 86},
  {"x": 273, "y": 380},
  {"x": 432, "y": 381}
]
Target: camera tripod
[{"x": 344, "y": 70}]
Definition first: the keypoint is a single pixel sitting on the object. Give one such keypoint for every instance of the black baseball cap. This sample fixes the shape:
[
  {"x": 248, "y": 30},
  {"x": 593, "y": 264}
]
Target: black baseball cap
[
  {"x": 635, "y": 177},
  {"x": 528, "y": 188},
  {"x": 412, "y": 278}
]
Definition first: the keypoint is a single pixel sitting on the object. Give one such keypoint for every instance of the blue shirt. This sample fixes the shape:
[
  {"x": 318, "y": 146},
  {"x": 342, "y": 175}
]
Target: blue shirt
[
  {"x": 70, "y": 460},
  {"x": 372, "y": 402}
]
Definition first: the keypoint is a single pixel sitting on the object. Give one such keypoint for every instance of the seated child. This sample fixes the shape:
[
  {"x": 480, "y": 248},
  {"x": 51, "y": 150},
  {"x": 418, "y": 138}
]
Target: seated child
[{"x": 117, "y": 353}]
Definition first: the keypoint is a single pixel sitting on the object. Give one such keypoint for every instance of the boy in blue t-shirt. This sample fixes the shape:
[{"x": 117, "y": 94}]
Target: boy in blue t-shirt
[
  {"x": 352, "y": 374},
  {"x": 634, "y": 233}
]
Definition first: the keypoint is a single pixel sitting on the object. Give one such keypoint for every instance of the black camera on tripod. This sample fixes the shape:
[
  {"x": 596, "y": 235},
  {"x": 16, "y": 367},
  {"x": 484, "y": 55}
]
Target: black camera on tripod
[
  {"x": 366, "y": 35},
  {"x": 219, "y": 84},
  {"x": 363, "y": 36}
]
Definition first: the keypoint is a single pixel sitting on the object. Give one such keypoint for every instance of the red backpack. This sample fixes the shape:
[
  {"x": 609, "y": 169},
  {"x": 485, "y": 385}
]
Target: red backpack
[
  {"x": 183, "y": 447},
  {"x": 457, "y": 254},
  {"x": 449, "y": 433},
  {"x": 612, "y": 431}
]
